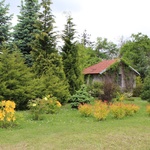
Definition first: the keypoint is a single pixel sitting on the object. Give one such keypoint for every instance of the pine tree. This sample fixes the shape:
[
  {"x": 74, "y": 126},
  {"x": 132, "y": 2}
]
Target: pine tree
[
  {"x": 47, "y": 62},
  {"x": 70, "y": 57},
  {"x": 16, "y": 80},
  {"x": 23, "y": 31},
  {"x": 5, "y": 24}
]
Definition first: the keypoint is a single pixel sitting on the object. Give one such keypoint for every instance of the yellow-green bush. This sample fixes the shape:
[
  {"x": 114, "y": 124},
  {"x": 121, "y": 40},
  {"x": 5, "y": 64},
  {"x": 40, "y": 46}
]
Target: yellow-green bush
[
  {"x": 85, "y": 110},
  {"x": 47, "y": 105},
  {"x": 148, "y": 109},
  {"x": 100, "y": 110},
  {"x": 7, "y": 113}
]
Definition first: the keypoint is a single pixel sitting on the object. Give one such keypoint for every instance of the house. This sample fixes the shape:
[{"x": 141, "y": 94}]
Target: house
[{"x": 116, "y": 71}]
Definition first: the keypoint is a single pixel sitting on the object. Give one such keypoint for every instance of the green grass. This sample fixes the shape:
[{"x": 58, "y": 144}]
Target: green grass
[{"x": 67, "y": 130}]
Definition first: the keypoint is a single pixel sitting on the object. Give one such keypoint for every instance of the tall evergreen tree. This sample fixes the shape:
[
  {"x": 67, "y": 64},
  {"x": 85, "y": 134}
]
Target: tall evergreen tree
[
  {"x": 47, "y": 62},
  {"x": 23, "y": 31},
  {"x": 70, "y": 56},
  {"x": 5, "y": 24}
]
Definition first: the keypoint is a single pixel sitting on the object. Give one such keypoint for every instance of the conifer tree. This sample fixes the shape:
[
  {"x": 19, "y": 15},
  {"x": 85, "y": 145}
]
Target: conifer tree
[
  {"x": 5, "y": 24},
  {"x": 16, "y": 80},
  {"x": 47, "y": 62},
  {"x": 23, "y": 31},
  {"x": 70, "y": 57}
]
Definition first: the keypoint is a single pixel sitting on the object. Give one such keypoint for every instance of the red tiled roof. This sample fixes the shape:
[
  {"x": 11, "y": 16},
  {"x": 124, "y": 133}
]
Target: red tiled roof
[{"x": 100, "y": 67}]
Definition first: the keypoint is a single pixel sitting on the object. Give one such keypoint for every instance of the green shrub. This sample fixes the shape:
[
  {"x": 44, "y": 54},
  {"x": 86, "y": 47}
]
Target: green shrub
[
  {"x": 137, "y": 90},
  {"x": 80, "y": 97},
  {"x": 47, "y": 105},
  {"x": 17, "y": 83},
  {"x": 145, "y": 95},
  {"x": 96, "y": 89}
]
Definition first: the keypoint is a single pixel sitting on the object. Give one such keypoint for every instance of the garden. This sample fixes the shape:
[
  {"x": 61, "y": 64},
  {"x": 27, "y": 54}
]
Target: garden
[{"x": 123, "y": 124}]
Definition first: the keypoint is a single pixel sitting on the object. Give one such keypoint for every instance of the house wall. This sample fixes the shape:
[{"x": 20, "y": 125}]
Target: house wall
[{"x": 122, "y": 76}]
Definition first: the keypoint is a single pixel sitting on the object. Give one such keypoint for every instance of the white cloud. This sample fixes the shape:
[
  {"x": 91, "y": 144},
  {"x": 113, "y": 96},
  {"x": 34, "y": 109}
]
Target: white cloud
[{"x": 102, "y": 18}]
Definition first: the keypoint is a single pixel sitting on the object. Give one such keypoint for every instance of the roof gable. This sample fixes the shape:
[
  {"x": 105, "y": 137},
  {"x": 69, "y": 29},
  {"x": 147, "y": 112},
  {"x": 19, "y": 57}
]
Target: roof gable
[{"x": 100, "y": 67}]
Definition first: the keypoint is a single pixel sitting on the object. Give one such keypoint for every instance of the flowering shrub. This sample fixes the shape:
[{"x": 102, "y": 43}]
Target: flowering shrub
[
  {"x": 47, "y": 105},
  {"x": 100, "y": 110},
  {"x": 148, "y": 109},
  {"x": 118, "y": 110},
  {"x": 7, "y": 113},
  {"x": 85, "y": 110}
]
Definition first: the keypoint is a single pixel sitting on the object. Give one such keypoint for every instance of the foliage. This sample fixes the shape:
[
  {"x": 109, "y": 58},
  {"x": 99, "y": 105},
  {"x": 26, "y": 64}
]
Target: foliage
[
  {"x": 120, "y": 110},
  {"x": 110, "y": 90},
  {"x": 47, "y": 105},
  {"x": 148, "y": 109},
  {"x": 100, "y": 110},
  {"x": 23, "y": 31},
  {"x": 87, "y": 56},
  {"x": 106, "y": 49},
  {"x": 85, "y": 109},
  {"x": 95, "y": 89},
  {"x": 145, "y": 94},
  {"x": 120, "y": 97},
  {"x": 17, "y": 83},
  {"x": 5, "y": 24},
  {"x": 48, "y": 65},
  {"x": 136, "y": 51},
  {"x": 70, "y": 57},
  {"x": 80, "y": 97},
  {"x": 7, "y": 113},
  {"x": 138, "y": 89}
]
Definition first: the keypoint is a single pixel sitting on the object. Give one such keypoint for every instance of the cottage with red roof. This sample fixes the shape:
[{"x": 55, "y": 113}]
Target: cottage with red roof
[{"x": 116, "y": 71}]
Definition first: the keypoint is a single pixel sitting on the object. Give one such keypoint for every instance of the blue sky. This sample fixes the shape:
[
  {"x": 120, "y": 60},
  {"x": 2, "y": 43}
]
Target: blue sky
[{"x": 101, "y": 18}]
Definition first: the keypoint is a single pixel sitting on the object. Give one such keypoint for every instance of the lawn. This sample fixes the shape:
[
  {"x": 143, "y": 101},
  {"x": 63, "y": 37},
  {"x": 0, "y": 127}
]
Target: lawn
[{"x": 68, "y": 130}]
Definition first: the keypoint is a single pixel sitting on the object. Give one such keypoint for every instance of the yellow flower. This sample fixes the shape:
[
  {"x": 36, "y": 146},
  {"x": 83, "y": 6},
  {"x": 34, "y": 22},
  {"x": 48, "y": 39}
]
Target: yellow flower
[
  {"x": 58, "y": 104},
  {"x": 34, "y": 105},
  {"x": 8, "y": 119}
]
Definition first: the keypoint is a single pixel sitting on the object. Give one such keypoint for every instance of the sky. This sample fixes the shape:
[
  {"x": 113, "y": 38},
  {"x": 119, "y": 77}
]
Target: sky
[{"x": 111, "y": 19}]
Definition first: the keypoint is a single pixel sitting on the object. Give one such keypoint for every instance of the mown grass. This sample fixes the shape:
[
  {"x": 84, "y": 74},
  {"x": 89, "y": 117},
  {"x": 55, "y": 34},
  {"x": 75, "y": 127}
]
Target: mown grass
[{"x": 67, "y": 130}]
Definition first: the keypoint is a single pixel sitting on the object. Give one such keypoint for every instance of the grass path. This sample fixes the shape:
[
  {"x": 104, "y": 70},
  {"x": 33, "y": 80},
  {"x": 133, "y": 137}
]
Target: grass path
[{"x": 67, "y": 130}]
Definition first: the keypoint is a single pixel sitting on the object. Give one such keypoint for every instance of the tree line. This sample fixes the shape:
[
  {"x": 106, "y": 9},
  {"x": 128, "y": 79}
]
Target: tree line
[{"x": 31, "y": 65}]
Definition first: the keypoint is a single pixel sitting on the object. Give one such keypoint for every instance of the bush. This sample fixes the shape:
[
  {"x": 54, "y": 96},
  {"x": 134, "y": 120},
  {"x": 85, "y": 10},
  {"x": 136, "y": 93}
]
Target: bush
[
  {"x": 7, "y": 113},
  {"x": 80, "y": 97},
  {"x": 96, "y": 89},
  {"x": 100, "y": 110},
  {"x": 47, "y": 105},
  {"x": 148, "y": 109},
  {"x": 85, "y": 110},
  {"x": 110, "y": 90},
  {"x": 17, "y": 82},
  {"x": 120, "y": 110},
  {"x": 146, "y": 89},
  {"x": 137, "y": 90}
]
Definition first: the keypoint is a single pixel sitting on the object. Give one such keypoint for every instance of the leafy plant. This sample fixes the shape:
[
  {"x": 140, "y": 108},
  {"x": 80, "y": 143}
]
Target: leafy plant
[
  {"x": 137, "y": 90},
  {"x": 146, "y": 89},
  {"x": 85, "y": 110},
  {"x": 47, "y": 105},
  {"x": 96, "y": 89},
  {"x": 100, "y": 110},
  {"x": 7, "y": 113},
  {"x": 80, "y": 97},
  {"x": 148, "y": 109}
]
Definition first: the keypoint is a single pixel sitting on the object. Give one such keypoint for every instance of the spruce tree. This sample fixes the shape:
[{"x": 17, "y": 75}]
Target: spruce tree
[
  {"x": 5, "y": 24},
  {"x": 47, "y": 62},
  {"x": 17, "y": 83},
  {"x": 23, "y": 31},
  {"x": 70, "y": 57}
]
